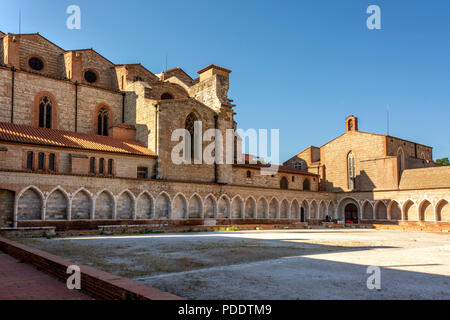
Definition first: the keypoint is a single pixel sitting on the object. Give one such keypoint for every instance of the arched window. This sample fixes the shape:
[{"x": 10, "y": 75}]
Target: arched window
[
  {"x": 306, "y": 185},
  {"x": 401, "y": 159},
  {"x": 30, "y": 160},
  {"x": 41, "y": 161},
  {"x": 92, "y": 166},
  {"x": 102, "y": 122},
  {"x": 350, "y": 125},
  {"x": 51, "y": 162},
  {"x": 110, "y": 167},
  {"x": 166, "y": 96},
  {"x": 190, "y": 141},
  {"x": 249, "y": 174},
  {"x": 45, "y": 113},
  {"x": 101, "y": 166},
  {"x": 351, "y": 171},
  {"x": 284, "y": 183}
]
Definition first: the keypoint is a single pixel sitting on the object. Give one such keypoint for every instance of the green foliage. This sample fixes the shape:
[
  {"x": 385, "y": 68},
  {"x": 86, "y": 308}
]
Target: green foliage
[{"x": 443, "y": 162}]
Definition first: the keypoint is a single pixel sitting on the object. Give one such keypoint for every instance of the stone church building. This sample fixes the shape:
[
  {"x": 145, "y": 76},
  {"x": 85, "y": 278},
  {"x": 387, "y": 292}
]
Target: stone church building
[{"x": 87, "y": 142}]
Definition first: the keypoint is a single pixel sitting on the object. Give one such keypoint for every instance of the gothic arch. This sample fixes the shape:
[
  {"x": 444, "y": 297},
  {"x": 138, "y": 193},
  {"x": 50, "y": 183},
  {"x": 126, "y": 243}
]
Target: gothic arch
[
  {"x": 380, "y": 210},
  {"x": 163, "y": 206},
  {"x": 394, "y": 211},
  {"x": 262, "y": 208},
  {"x": 250, "y": 208},
  {"x": 426, "y": 211},
  {"x": 295, "y": 210},
  {"x": 179, "y": 207},
  {"x": 224, "y": 207},
  {"x": 274, "y": 209},
  {"x": 443, "y": 210},
  {"x": 105, "y": 205},
  {"x": 367, "y": 211},
  {"x": 126, "y": 204},
  {"x": 30, "y": 204},
  {"x": 313, "y": 210},
  {"x": 57, "y": 204},
  {"x": 284, "y": 209},
  {"x": 145, "y": 207},
  {"x": 237, "y": 207},
  {"x": 410, "y": 211},
  {"x": 195, "y": 207},
  {"x": 81, "y": 205},
  {"x": 210, "y": 207}
]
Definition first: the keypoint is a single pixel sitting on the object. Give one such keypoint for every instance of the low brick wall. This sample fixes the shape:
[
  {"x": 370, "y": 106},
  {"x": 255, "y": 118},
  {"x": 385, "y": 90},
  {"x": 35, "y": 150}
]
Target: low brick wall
[{"x": 98, "y": 284}]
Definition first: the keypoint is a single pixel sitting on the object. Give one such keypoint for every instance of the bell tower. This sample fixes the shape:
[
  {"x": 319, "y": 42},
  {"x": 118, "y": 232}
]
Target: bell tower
[{"x": 351, "y": 124}]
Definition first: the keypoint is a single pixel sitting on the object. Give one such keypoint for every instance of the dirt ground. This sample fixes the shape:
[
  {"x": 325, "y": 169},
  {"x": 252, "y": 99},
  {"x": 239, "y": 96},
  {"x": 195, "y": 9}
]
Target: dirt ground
[{"x": 284, "y": 264}]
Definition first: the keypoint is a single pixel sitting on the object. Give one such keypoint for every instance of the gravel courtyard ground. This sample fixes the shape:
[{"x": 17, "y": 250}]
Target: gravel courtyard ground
[{"x": 284, "y": 264}]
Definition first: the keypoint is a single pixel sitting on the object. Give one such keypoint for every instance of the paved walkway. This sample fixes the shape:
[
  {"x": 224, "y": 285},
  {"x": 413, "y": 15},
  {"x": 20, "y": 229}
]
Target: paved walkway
[{"x": 20, "y": 281}]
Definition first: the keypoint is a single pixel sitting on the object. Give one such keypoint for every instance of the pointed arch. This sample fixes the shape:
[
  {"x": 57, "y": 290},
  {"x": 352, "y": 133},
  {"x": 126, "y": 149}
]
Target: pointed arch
[
  {"x": 237, "y": 207},
  {"x": 332, "y": 210},
  {"x": 126, "y": 205},
  {"x": 313, "y": 210},
  {"x": 426, "y": 211},
  {"x": 163, "y": 207},
  {"x": 304, "y": 210},
  {"x": 30, "y": 204},
  {"x": 394, "y": 211},
  {"x": 145, "y": 207},
  {"x": 443, "y": 211},
  {"x": 410, "y": 211},
  {"x": 105, "y": 205},
  {"x": 210, "y": 207},
  {"x": 367, "y": 211},
  {"x": 274, "y": 209},
  {"x": 224, "y": 207},
  {"x": 250, "y": 208},
  {"x": 262, "y": 208},
  {"x": 295, "y": 210},
  {"x": 81, "y": 205},
  {"x": 380, "y": 210},
  {"x": 284, "y": 209},
  {"x": 57, "y": 204},
  {"x": 195, "y": 207},
  {"x": 179, "y": 207},
  {"x": 322, "y": 210}
]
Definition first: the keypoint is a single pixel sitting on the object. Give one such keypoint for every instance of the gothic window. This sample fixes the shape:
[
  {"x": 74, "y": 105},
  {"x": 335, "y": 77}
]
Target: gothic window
[
  {"x": 350, "y": 125},
  {"x": 166, "y": 96},
  {"x": 351, "y": 171},
  {"x": 36, "y": 64},
  {"x": 41, "y": 161},
  {"x": 110, "y": 167},
  {"x": 401, "y": 159},
  {"x": 45, "y": 113},
  {"x": 51, "y": 162},
  {"x": 284, "y": 183},
  {"x": 190, "y": 140},
  {"x": 90, "y": 76},
  {"x": 102, "y": 122},
  {"x": 30, "y": 160},
  {"x": 101, "y": 167},
  {"x": 92, "y": 166},
  {"x": 306, "y": 185}
]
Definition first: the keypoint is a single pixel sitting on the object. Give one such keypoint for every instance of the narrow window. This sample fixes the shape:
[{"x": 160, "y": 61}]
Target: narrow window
[
  {"x": 142, "y": 172},
  {"x": 101, "y": 167},
  {"x": 51, "y": 163},
  {"x": 41, "y": 161},
  {"x": 284, "y": 183},
  {"x": 110, "y": 167},
  {"x": 45, "y": 113},
  {"x": 293, "y": 179},
  {"x": 30, "y": 160},
  {"x": 249, "y": 174},
  {"x": 102, "y": 122},
  {"x": 92, "y": 166},
  {"x": 190, "y": 141},
  {"x": 351, "y": 171},
  {"x": 306, "y": 185}
]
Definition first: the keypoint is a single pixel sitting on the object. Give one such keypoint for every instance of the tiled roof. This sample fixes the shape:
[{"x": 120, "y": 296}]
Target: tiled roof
[
  {"x": 215, "y": 67},
  {"x": 65, "y": 139},
  {"x": 282, "y": 169}
]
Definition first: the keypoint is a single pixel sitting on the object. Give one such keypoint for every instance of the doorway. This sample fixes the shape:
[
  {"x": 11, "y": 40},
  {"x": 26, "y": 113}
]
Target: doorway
[{"x": 351, "y": 214}]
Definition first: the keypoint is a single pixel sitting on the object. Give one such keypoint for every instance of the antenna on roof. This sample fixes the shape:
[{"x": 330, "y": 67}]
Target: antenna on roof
[{"x": 387, "y": 119}]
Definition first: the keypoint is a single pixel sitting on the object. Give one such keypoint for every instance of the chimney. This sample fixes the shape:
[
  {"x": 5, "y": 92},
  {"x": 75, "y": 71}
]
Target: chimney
[{"x": 123, "y": 132}]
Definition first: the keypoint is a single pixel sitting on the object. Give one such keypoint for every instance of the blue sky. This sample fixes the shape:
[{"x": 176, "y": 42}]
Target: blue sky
[{"x": 300, "y": 66}]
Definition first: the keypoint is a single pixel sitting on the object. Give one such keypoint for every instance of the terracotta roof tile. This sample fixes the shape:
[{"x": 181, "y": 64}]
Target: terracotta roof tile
[{"x": 57, "y": 138}]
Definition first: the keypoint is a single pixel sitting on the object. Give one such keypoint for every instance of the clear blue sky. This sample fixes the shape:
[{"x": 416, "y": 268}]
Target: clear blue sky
[{"x": 300, "y": 66}]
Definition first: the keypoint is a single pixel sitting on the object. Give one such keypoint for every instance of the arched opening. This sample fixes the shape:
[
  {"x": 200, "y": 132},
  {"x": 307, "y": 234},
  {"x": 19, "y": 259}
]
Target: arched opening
[
  {"x": 250, "y": 208},
  {"x": 331, "y": 210},
  {"x": 179, "y": 208},
  {"x": 443, "y": 211},
  {"x": 380, "y": 211},
  {"x": 395, "y": 211},
  {"x": 144, "y": 207},
  {"x": 401, "y": 159},
  {"x": 102, "y": 122},
  {"x": 284, "y": 183},
  {"x": 426, "y": 211},
  {"x": 237, "y": 208},
  {"x": 263, "y": 209},
  {"x": 367, "y": 211},
  {"x": 30, "y": 205},
  {"x": 166, "y": 96},
  {"x": 57, "y": 205},
  {"x": 210, "y": 208},
  {"x": 313, "y": 210},
  {"x": 305, "y": 211},
  {"x": 284, "y": 209},
  {"x": 295, "y": 210},
  {"x": 351, "y": 213},
  {"x": 104, "y": 206},
  {"x": 351, "y": 171},
  {"x": 125, "y": 207},
  {"x": 162, "y": 207},
  {"x": 195, "y": 208},
  {"x": 81, "y": 206},
  {"x": 6, "y": 208},
  {"x": 224, "y": 208},
  {"x": 322, "y": 210},
  {"x": 274, "y": 209},
  {"x": 192, "y": 149},
  {"x": 410, "y": 210}
]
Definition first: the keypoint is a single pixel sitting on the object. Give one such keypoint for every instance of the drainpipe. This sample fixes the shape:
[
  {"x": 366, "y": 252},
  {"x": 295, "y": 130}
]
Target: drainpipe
[
  {"x": 156, "y": 139},
  {"x": 13, "y": 70},
  {"x": 123, "y": 107},
  {"x": 216, "y": 126},
  {"x": 76, "y": 106}
]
